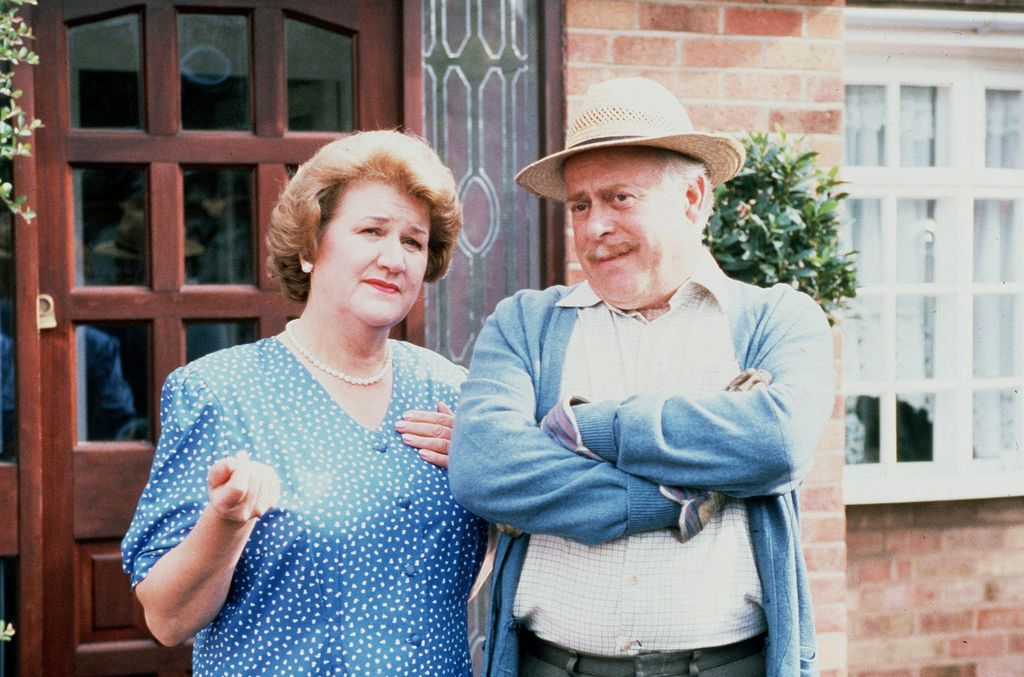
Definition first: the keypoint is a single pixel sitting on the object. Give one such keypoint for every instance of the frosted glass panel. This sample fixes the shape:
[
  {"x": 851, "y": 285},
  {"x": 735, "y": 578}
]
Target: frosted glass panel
[
  {"x": 922, "y": 240},
  {"x": 923, "y": 349},
  {"x": 862, "y": 340}
]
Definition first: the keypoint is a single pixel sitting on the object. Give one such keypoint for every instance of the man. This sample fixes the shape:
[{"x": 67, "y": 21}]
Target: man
[{"x": 596, "y": 425}]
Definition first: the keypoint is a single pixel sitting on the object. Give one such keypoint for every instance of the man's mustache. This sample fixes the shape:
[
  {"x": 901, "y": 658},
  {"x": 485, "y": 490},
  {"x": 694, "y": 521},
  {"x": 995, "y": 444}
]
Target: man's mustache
[{"x": 604, "y": 252}]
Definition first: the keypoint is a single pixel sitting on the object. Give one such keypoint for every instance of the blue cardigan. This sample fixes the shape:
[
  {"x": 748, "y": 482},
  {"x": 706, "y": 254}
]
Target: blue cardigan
[{"x": 754, "y": 445}]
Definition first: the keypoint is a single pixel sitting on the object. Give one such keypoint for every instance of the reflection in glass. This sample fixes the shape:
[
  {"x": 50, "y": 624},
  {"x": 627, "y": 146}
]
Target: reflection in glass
[
  {"x": 923, "y": 127},
  {"x": 997, "y": 424},
  {"x": 865, "y": 125},
  {"x": 863, "y": 234},
  {"x": 111, "y": 226},
  {"x": 8, "y": 606},
  {"x": 104, "y": 67},
  {"x": 218, "y": 226},
  {"x": 320, "y": 78},
  {"x": 112, "y": 381},
  {"x": 917, "y": 324},
  {"x": 862, "y": 340},
  {"x": 202, "y": 338},
  {"x": 918, "y": 234},
  {"x": 1003, "y": 112},
  {"x": 8, "y": 393},
  {"x": 862, "y": 429},
  {"x": 214, "y": 63},
  {"x": 996, "y": 241},
  {"x": 915, "y": 423},
  {"x": 995, "y": 335}
]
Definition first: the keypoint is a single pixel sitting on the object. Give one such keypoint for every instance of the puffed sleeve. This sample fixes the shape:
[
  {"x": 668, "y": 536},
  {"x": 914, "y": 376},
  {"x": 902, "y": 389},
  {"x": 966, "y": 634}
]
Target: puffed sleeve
[{"x": 192, "y": 436}]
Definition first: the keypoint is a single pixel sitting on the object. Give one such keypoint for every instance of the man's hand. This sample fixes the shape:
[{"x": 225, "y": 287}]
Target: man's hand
[
  {"x": 242, "y": 489},
  {"x": 428, "y": 431},
  {"x": 748, "y": 379}
]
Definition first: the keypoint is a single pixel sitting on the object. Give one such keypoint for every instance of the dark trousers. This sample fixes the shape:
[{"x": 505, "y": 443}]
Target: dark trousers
[{"x": 538, "y": 658}]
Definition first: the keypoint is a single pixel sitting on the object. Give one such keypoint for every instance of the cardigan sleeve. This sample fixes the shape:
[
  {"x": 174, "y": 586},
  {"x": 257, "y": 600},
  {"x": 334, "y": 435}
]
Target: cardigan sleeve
[
  {"x": 754, "y": 443},
  {"x": 503, "y": 467}
]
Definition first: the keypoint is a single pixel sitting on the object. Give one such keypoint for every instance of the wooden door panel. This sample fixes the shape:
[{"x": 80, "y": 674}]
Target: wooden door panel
[
  {"x": 107, "y": 485},
  {"x": 9, "y": 491},
  {"x": 92, "y": 625}
]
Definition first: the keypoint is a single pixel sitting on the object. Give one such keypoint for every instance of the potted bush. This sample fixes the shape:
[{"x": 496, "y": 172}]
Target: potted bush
[{"x": 778, "y": 221}]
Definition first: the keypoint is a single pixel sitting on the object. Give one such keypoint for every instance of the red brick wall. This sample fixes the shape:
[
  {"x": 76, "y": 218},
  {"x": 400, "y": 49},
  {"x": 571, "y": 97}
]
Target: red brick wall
[
  {"x": 937, "y": 589},
  {"x": 741, "y": 65}
]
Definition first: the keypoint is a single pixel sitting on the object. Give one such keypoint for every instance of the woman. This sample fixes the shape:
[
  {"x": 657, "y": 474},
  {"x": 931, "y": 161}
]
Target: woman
[{"x": 287, "y": 519}]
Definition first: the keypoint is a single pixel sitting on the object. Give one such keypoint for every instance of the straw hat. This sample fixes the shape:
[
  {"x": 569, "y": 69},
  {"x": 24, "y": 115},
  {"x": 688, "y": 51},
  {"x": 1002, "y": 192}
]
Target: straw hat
[{"x": 633, "y": 112}]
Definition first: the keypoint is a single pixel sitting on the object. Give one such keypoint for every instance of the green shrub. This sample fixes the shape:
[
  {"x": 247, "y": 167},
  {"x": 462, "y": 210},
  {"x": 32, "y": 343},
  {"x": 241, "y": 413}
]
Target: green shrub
[
  {"x": 15, "y": 128},
  {"x": 778, "y": 221}
]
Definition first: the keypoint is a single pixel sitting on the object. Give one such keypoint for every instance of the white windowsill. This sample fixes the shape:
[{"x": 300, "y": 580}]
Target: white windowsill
[{"x": 916, "y": 482}]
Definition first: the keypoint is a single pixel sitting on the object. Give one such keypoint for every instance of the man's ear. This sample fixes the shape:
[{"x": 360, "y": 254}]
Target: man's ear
[{"x": 696, "y": 197}]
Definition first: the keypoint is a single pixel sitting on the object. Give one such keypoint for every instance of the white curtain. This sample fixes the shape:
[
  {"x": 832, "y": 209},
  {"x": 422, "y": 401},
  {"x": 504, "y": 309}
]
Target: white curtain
[
  {"x": 918, "y": 126},
  {"x": 1003, "y": 128},
  {"x": 865, "y": 125}
]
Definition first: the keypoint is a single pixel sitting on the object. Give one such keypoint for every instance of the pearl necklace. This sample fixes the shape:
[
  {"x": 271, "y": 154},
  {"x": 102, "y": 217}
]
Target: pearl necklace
[{"x": 331, "y": 371}]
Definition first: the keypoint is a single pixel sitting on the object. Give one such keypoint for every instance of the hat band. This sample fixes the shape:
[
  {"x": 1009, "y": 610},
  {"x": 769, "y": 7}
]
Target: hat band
[{"x": 602, "y": 139}]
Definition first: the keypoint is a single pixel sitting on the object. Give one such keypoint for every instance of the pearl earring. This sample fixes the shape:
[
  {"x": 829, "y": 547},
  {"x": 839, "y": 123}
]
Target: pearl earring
[{"x": 306, "y": 266}]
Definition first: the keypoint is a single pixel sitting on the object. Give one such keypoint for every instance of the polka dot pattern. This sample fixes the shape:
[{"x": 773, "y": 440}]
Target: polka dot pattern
[{"x": 365, "y": 566}]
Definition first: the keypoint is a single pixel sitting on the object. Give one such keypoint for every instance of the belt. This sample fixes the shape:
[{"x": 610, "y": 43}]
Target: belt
[{"x": 667, "y": 662}]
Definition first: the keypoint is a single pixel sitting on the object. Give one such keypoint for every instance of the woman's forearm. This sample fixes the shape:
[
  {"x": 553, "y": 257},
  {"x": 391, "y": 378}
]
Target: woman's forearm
[{"x": 186, "y": 588}]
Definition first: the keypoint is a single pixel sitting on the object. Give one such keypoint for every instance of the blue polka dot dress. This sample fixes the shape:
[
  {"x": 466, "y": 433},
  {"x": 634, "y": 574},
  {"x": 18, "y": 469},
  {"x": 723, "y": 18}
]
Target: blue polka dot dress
[{"x": 365, "y": 566}]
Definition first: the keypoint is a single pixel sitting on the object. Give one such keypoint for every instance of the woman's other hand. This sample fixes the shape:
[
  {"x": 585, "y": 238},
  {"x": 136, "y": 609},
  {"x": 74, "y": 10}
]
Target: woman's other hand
[
  {"x": 428, "y": 431},
  {"x": 241, "y": 488}
]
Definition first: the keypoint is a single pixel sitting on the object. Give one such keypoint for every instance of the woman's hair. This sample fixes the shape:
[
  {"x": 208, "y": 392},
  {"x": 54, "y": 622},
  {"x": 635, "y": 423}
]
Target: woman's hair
[{"x": 310, "y": 199}]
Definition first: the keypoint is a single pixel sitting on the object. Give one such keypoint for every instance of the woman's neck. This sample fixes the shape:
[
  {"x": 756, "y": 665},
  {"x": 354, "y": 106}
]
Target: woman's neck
[{"x": 340, "y": 342}]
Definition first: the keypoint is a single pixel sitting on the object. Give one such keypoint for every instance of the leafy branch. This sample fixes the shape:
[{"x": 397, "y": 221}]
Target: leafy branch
[
  {"x": 778, "y": 221},
  {"x": 15, "y": 127}
]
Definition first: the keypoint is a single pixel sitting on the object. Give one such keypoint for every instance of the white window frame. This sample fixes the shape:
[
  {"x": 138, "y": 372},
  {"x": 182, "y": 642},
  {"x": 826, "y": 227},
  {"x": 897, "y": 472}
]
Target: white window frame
[{"x": 967, "y": 52}]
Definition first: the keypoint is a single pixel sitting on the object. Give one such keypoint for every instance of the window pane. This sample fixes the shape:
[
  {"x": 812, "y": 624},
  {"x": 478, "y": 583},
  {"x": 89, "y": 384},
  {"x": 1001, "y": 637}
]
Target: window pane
[
  {"x": 214, "y": 64},
  {"x": 862, "y": 429},
  {"x": 863, "y": 234},
  {"x": 862, "y": 340},
  {"x": 8, "y": 611},
  {"x": 915, "y": 430},
  {"x": 997, "y": 424},
  {"x": 996, "y": 241},
  {"x": 111, "y": 227},
  {"x": 202, "y": 338},
  {"x": 995, "y": 336},
  {"x": 320, "y": 78},
  {"x": 865, "y": 125},
  {"x": 218, "y": 226},
  {"x": 920, "y": 239},
  {"x": 1003, "y": 128},
  {"x": 923, "y": 126},
  {"x": 8, "y": 392},
  {"x": 112, "y": 381},
  {"x": 104, "y": 67},
  {"x": 922, "y": 338}
]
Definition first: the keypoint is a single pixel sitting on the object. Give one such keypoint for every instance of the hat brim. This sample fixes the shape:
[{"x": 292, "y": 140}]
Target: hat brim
[{"x": 722, "y": 155}]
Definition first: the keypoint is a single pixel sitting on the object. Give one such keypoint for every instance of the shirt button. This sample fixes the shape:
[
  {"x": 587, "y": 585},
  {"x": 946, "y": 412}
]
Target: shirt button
[
  {"x": 411, "y": 570},
  {"x": 404, "y": 502},
  {"x": 415, "y": 639}
]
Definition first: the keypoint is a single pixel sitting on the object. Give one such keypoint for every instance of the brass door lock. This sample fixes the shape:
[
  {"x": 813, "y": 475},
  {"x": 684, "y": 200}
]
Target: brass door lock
[{"x": 46, "y": 317}]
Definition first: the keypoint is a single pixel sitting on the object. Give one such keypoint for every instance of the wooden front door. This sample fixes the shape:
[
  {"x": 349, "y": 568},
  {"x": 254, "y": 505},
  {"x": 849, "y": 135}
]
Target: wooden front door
[{"x": 170, "y": 131}]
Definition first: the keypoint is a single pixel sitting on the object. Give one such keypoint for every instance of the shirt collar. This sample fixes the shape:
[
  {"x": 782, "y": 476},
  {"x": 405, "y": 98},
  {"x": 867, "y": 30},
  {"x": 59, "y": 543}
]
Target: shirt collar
[{"x": 707, "y": 275}]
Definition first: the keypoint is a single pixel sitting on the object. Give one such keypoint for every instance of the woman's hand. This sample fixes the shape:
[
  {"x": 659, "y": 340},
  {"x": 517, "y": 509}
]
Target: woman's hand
[
  {"x": 428, "y": 431},
  {"x": 241, "y": 488}
]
